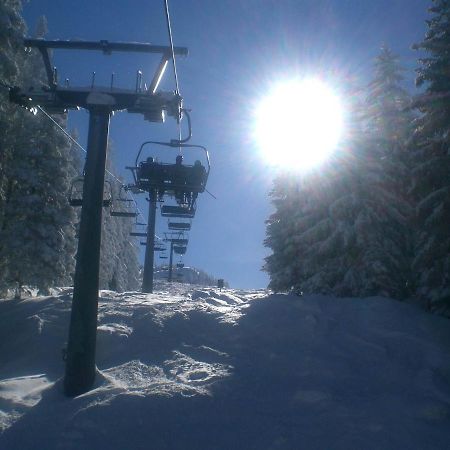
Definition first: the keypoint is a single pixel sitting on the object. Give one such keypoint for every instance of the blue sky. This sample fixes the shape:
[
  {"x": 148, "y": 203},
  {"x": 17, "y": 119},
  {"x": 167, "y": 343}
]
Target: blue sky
[{"x": 238, "y": 49}]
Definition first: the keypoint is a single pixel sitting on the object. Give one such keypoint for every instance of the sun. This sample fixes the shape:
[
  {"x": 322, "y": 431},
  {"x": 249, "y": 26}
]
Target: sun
[{"x": 298, "y": 124}]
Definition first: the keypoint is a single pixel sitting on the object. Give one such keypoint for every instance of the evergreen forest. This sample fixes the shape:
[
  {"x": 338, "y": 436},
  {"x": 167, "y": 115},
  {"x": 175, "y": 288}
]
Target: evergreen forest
[
  {"x": 38, "y": 164},
  {"x": 374, "y": 220}
]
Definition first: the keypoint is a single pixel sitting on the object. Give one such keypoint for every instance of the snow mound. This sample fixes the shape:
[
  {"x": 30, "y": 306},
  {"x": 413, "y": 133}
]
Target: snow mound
[{"x": 190, "y": 367}]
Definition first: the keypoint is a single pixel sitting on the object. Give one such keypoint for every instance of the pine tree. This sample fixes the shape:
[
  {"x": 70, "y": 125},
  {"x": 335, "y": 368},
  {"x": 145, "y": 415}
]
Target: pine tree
[
  {"x": 279, "y": 228},
  {"x": 431, "y": 180},
  {"x": 384, "y": 219},
  {"x": 344, "y": 229},
  {"x": 119, "y": 266},
  {"x": 37, "y": 226},
  {"x": 12, "y": 29}
]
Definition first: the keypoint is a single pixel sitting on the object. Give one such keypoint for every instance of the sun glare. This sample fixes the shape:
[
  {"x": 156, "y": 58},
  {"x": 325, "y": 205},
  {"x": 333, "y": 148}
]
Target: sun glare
[{"x": 299, "y": 123}]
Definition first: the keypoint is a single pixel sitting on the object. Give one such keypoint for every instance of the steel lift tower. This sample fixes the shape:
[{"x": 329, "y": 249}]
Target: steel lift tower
[{"x": 100, "y": 102}]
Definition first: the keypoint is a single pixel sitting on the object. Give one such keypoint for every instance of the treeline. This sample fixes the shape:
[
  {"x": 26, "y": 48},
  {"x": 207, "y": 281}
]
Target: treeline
[
  {"x": 375, "y": 220},
  {"x": 38, "y": 227},
  {"x": 189, "y": 275}
]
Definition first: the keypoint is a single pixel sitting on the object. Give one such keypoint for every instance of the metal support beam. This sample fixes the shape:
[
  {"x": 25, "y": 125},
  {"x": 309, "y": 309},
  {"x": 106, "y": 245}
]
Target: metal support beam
[
  {"x": 170, "y": 263},
  {"x": 147, "y": 282},
  {"x": 80, "y": 362},
  {"x": 48, "y": 67},
  {"x": 105, "y": 46},
  {"x": 159, "y": 73}
]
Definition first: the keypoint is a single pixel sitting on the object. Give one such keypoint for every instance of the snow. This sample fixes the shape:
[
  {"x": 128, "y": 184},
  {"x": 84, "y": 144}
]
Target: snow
[{"x": 193, "y": 367}]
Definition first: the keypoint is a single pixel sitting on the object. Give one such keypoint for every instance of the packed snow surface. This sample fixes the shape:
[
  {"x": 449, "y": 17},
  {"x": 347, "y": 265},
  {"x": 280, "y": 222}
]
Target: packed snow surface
[{"x": 198, "y": 368}]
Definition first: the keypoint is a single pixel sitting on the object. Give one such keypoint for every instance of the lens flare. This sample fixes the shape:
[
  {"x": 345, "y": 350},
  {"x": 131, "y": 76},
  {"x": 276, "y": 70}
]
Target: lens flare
[{"x": 299, "y": 124}]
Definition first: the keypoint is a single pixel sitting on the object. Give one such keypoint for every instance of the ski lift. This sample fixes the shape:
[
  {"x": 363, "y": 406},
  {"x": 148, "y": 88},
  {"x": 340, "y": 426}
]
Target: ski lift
[
  {"x": 178, "y": 211},
  {"x": 182, "y": 226},
  {"x": 173, "y": 179},
  {"x": 176, "y": 237},
  {"x": 123, "y": 206},
  {"x": 138, "y": 233},
  {"x": 180, "y": 265},
  {"x": 179, "y": 250},
  {"x": 182, "y": 181},
  {"x": 178, "y": 241},
  {"x": 140, "y": 230},
  {"x": 76, "y": 192},
  {"x": 159, "y": 248},
  {"x": 163, "y": 257}
]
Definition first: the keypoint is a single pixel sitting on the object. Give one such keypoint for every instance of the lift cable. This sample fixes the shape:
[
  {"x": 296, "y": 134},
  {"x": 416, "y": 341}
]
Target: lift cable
[
  {"x": 177, "y": 86},
  {"x": 212, "y": 195},
  {"x": 169, "y": 29}
]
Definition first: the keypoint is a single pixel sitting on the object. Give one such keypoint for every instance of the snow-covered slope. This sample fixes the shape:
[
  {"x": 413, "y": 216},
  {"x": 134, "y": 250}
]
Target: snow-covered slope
[
  {"x": 186, "y": 274},
  {"x": 196, "y": 368}
]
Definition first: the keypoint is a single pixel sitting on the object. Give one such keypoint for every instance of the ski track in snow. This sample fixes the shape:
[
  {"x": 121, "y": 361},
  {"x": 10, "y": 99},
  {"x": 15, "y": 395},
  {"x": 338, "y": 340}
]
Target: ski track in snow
[{"x": 192, "y": 367}]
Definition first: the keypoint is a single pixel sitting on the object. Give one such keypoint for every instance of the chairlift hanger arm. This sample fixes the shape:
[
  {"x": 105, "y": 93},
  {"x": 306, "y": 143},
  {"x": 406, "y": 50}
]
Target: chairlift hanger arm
[
  {"x": 159, "y": 73},
  {"x": 174, "y": 142}
]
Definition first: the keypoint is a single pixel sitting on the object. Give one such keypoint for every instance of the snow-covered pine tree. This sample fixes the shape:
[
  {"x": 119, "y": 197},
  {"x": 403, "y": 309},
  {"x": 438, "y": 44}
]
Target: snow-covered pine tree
[
  {"x": 431, "y": 174},
  {"x": 37, "y": 224},
  {"x": 12, "y": 29},
  {"x": 119, "y": 265},
  {"x": 311, "y": 232},
  {"x": 384, "y": 232},
  {"x": 279, "y": 228},
  {"x": 342, "y": 230}
]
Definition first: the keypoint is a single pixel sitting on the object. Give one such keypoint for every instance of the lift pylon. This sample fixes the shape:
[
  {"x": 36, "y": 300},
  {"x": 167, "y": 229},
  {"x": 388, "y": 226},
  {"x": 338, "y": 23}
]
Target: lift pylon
[{"x": 100, "y": 102}]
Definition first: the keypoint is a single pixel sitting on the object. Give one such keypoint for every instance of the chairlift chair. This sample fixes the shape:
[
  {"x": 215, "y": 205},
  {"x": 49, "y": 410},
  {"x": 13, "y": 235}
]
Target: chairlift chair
[
  {"x": 180, "y": 265},
  {"x": 76, "y": 192},
  {"x": 177, "y": 211},
  {"x": 174, "y": 179},
  {"x": 179, "y": 180},
  {"x": 138, "y": 234},
  {"x": 182, "y": 226},
  {"x": 179, "y": 250},
  {"x": 140, "y": 229},
  {"x": 178, "y": 241},
  {"x": 123, "y": 206}
]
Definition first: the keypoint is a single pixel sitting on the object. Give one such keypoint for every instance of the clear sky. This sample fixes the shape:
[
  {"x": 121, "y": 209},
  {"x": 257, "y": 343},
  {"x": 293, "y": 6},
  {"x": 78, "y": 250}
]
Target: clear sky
[{"x": 238, "y": 49}]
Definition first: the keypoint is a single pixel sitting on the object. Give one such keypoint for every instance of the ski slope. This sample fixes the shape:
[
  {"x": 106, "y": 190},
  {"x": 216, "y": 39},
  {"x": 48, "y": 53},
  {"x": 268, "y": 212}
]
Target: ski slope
[{"x": 194, "y": 368}]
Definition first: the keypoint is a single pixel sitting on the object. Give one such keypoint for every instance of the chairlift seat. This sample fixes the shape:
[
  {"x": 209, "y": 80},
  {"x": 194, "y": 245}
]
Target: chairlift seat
[
  {"x": 76, "y": 193},
  {"x": 179, "y": 226},
  {"x": 178, "y": 241},
  {"x": 123, "y": 213},
  {"x": 79, "y": 202},
  {"x": 177, "y": 211},
  {"x": 138, "y": 234},
  {"x": 179, "y": 250},
  {"x": 171, "y": 177},
  {"x": 75, "y": 201}
]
